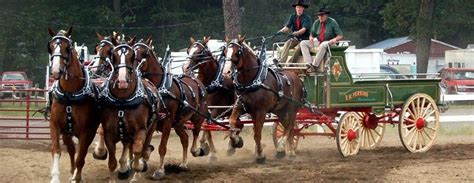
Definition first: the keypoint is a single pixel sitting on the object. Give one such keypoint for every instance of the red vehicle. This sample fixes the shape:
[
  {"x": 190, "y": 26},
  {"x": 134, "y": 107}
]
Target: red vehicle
[
  {"x": 458, "y": 80},
  {"x": 13, "y": 80}
]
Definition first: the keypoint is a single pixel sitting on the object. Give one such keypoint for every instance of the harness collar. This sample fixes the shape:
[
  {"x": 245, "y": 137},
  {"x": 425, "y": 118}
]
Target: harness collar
[{"x": 88, "y": 90}]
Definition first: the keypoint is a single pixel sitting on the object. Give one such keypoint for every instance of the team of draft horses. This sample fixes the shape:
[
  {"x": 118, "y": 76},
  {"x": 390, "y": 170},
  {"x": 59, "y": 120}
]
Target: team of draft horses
[{"x": 140, "y": 96}]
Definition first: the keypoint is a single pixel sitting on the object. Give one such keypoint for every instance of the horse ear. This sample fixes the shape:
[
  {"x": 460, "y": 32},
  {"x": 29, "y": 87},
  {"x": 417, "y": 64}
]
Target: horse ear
[
  {"x": 241, "y": 39},
  {"x": 51, "y": 32},
  {"x": 192, "y": 40},
  {"x": 114, "y": 34},
  {"x": 69, "y": 31},
  {"x": 206, "y": 39},
  {"x": 148, "y": 40},
  {"x": 132, "y": 41},
  {"x": 99, "y": 36}
]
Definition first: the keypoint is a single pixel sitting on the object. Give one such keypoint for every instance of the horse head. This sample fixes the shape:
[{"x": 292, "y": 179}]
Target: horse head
[
  {"x": 62, "y": 52},
  {"x": 238, "y": 53},
  {"x": 143, "y": 52},
  {"x": 104, "y": 53},
  {"x": 198, "y": 53},
  {"x": 122, "y": 62}
]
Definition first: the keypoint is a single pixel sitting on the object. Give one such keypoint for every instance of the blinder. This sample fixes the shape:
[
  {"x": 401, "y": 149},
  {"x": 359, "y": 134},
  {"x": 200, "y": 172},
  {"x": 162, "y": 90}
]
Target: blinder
[
  {"x": 123, "y": 48},
  {"x": 57, "y": 42}
]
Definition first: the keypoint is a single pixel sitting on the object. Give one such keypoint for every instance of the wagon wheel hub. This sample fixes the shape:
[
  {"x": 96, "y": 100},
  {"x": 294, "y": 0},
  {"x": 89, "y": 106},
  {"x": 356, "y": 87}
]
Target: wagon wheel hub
[
  {"x": 351, "y": 135},
  {"x": 370, "y": 121},
  {"x": 420, "y": 123}
]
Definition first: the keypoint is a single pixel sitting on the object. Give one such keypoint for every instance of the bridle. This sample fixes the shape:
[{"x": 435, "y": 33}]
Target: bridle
[
  {"x": 200, "y": 58},
  {"x": 123, "y": 49},
  {"x": 239, "y": 53},
  {"x": 102, "y": 44},
  {"x": 148, "y": 53},
  {"x": 57, "y": 42}
]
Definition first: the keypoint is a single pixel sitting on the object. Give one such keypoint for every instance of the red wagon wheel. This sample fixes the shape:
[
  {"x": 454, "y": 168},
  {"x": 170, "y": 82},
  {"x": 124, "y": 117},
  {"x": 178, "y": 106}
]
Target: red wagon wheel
[
  {"x": 371, "y": 131},
  {"x": 419, "y": 123},
  {"x": 278, "y": 131},
  {"x": 348, "y": 132}
]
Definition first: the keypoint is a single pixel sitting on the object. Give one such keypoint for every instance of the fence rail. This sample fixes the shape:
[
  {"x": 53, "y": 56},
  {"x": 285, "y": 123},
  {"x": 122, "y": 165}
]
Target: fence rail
[{"x": 16, "y": 114}]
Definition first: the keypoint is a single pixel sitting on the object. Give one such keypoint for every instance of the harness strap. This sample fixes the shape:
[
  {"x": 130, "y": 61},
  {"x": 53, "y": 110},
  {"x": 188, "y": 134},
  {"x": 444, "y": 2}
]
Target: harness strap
[
  {"x": 69, "y": 121},
  {"x": 122, "y": 128}
]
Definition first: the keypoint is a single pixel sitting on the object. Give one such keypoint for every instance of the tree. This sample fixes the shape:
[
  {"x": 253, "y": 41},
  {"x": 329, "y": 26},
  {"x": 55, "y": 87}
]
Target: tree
[
  {"x": 231, "y": 18},
  {"x": 424, "y": 33}
]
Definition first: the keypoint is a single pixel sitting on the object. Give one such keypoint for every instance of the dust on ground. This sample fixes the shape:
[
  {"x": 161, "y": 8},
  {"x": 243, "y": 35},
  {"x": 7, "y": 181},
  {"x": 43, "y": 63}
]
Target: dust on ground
[{"x": 451, "y": 159}]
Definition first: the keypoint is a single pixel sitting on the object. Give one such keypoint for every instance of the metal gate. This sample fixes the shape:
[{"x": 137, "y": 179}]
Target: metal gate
[{"x": 16, "y": 114}]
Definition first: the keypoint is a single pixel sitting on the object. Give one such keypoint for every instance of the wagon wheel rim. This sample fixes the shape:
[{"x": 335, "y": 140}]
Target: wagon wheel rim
[
  {"x": 369, "y": 137},
  {"x": 278, "y": 131},
  {"x": 348, "y": 134},
  {"x": 419, "y": 123}
]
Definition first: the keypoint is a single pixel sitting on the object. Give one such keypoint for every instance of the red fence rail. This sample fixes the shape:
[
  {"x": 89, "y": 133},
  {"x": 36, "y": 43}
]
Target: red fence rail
[{"x": 17, "y": 107}]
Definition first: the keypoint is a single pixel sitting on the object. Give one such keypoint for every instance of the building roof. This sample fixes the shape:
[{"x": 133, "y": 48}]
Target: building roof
[
  {"x": 389, "y": 43},
  {"x": 394, "y": 42}
]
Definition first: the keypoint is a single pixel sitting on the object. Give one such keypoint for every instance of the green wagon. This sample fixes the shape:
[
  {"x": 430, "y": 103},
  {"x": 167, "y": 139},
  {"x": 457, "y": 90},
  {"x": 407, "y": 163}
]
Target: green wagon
[{"x": 356, "y": 111}]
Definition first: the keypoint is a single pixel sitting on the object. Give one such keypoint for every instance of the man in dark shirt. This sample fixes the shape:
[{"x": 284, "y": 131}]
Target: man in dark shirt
[
  {"x": 325, "y": 32},
  {"x": 299, "y": 25}
]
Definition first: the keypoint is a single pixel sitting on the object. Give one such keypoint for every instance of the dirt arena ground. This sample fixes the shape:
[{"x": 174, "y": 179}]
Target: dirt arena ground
[{"x": 451, "y": 159}]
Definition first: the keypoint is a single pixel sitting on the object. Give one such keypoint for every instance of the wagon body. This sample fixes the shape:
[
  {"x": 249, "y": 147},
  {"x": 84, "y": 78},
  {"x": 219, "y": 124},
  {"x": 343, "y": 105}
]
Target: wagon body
[
  {"x": 337, "y": 89},
  {"x": 355, "y": 111}
]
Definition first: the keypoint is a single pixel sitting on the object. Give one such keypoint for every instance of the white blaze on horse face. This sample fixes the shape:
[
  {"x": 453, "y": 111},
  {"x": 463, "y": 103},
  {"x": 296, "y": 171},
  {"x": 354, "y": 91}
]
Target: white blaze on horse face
[
  {"x": 230, "y": 52},
  {"x": 122, "y": 77},
  {"x": 56, "y": 61},
  {"x": 191, "y": 52}
]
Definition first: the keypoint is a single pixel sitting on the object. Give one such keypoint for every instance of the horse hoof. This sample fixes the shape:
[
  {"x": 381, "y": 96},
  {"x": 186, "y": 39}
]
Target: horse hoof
[
  {"x": 205, "y": 149},
  {"x": 280, "y": 155},
  {"x": 157, "y": 176},
  {"x": 145, "y": 166},
  {"x": 261, "y": 160},
  {"x": 98, "y": 157},
  {"x": 151, "y": 148},
  {"x": 238, "y": 143},
  {"x": 124, "y": 175},
  {"x": 230, "y": 151}
]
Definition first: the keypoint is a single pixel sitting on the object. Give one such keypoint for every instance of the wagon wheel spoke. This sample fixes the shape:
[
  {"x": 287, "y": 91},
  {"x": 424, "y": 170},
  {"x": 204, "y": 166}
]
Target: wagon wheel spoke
[
  {"x": 348, "y": 132},
  {"x": 428, "y": 135},
  {"x": 418, "y": 130}
]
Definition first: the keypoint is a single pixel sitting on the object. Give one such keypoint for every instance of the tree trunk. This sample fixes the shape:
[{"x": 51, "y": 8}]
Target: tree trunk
[
  {"x": 231, "y": 18},
  {"x": 424, "y": 33}
]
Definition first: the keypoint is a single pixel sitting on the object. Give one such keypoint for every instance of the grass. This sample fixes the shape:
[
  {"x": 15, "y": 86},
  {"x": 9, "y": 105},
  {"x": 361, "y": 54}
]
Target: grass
[{"x": 20, "y": 106}]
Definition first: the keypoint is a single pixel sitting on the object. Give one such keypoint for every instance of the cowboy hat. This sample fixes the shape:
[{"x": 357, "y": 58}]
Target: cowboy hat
[
  {"x": 323, "y": 11},
  {"x": 300, "y": 3}
]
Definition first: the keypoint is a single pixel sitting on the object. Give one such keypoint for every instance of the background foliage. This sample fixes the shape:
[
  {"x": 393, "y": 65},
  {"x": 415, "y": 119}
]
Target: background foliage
[{"x": 24, "y": 23}]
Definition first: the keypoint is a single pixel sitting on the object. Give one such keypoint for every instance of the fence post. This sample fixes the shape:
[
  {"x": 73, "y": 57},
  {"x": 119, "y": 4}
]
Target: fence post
[
  {"x": 28, "y": 115},
  {"x": 36, "y": 94}
]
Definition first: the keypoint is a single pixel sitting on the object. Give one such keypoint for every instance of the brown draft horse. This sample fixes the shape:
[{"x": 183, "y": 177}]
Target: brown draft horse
[
  {"x": 128, "y": 112},
  {"x": 100, "y": 68},
  {"x": 73, "y": 104},
  {"x": 220, "y": 88},
  {"x": 183, "y": 98},
  {"x": 278, "y": 92}
]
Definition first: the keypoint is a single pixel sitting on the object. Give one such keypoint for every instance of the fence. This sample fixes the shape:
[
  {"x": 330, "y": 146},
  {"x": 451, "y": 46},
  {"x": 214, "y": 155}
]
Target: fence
[{"x": 17, "y": 107}]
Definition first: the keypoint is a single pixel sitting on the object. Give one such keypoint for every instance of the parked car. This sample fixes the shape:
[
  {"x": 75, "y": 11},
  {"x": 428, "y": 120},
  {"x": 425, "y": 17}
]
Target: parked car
[
  {"x": 391, "y": 72},
  {"x": 457, "y": 80},
  {"x": 13, "y": 80}
]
